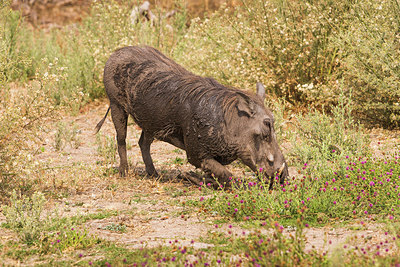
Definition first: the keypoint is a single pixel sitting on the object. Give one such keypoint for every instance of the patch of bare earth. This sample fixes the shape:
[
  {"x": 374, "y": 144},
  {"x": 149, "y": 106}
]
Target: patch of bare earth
[{"x": 152, "y": 210}]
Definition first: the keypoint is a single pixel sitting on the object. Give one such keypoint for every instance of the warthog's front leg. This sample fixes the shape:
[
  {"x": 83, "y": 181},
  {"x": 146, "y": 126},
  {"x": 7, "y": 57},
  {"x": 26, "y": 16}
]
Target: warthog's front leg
[
  {"x": 214, "y": 171},
  {"x": 145, "y": 141},
  {"x": 219, "y": 171}
]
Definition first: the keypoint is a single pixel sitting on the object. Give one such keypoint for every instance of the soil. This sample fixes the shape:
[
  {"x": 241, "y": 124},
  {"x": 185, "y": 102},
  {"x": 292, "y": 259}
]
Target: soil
[{"x": 152, "y": 210}]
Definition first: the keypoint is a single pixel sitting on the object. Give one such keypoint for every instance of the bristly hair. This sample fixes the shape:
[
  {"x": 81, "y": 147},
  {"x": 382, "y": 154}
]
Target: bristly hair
[{"x": 154, "y": 73}]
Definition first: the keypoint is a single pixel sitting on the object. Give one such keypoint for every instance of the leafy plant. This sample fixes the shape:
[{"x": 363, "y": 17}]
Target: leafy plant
[
  {"x": 320, "y": 138},
  {"x": 25, "y": 216},
  {"x": 22, "y": 118},
  {"x": 13, "y": 61},
  {"x": 281, "y": 43},
  {"x": 66, "y": 238},
  {"x": 178, "y": 161},
  {"x": 369, "y": 56},
  {"x": 115, "y": 227},
  {"x": 49, "y": 232},
  {"x": 65, "y": 135}
]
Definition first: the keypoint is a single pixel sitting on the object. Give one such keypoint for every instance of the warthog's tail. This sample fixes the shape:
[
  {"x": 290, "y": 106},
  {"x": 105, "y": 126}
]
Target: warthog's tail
[{"x": 98, "y": 126}]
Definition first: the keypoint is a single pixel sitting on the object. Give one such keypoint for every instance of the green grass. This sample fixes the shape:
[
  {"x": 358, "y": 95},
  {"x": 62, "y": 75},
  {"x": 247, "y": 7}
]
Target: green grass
[
  {"x": 81, "y": 219},
  {"x": 352, "y": 188},
  {"x": 250, "y": 249}
]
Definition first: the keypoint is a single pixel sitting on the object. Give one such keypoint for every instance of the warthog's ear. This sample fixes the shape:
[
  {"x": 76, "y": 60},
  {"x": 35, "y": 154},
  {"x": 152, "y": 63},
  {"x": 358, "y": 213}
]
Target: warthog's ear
[
  {"x": 245, "y": 108},
  {"x": 261, "y": 91}
]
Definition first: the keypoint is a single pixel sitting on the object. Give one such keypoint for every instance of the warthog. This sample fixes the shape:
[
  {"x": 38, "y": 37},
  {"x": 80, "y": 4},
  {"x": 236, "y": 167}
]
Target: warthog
[{"x": 214, "y": 124}]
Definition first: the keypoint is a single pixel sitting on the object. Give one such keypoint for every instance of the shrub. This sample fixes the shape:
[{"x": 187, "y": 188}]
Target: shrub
[
  {"x": 23, "y": 113},
  {"x": 281, "y": 43},
  {"x": 297, "y": 49},
  {"x": 24, "y": 215},
  {"x": 22, "y": 110},
  {"x": 370, "y": 60},
  {"x": 319, "y": 138},
  {"x": 49, "y": 232},
  {"x": 82, "y": 50},
  {"x": 12, "y": 61}
]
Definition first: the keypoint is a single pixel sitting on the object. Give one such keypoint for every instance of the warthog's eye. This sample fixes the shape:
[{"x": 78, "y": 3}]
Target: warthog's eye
[{"x": 266, "y": 131}]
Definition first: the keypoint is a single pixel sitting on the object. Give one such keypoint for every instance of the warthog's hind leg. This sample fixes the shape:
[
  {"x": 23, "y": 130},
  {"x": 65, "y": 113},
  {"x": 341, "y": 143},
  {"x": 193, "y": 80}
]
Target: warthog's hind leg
[{"x": 120, "y": 120}]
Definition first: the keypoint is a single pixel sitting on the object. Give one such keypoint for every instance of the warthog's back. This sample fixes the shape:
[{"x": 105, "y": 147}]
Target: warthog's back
[{"x": 159, "y": 93}]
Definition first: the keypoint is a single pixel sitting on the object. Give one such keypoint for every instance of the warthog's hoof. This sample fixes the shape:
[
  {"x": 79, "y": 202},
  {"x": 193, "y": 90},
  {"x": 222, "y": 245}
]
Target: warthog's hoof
[{"x": 123, "y": 170}]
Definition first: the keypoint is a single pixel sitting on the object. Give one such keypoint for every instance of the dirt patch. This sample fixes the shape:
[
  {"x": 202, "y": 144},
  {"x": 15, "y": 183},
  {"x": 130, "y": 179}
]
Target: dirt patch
[{"x": 145, "y": 232}]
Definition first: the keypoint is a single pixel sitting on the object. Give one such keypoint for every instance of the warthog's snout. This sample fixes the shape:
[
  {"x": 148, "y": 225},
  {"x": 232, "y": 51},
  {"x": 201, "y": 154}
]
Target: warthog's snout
[{"x": 276, "y": 175}]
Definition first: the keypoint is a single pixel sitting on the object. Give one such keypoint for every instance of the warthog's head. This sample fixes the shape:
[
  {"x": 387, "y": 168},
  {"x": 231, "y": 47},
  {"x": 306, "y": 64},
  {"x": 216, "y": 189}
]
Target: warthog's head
[{"x": 259, "y": 148}]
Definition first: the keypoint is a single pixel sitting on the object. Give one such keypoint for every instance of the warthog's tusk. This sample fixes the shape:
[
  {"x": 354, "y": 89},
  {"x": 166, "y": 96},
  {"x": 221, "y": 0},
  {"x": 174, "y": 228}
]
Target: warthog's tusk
[{"x": 281, "y": 169}]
